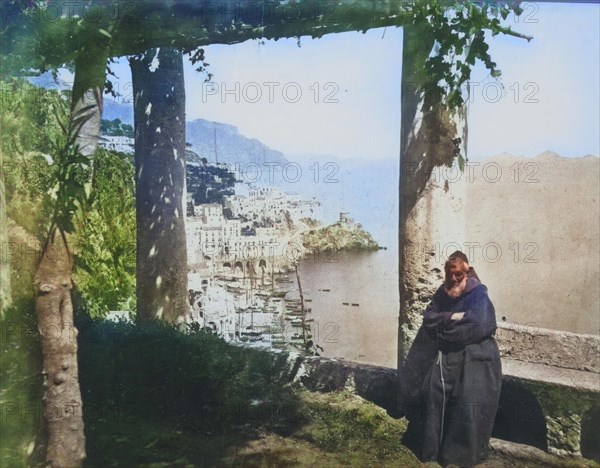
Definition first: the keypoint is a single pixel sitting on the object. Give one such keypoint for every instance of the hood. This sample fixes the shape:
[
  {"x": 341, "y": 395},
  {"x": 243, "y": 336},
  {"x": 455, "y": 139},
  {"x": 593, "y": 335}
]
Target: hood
[
  {"x": 472, "y": 273},
  {"x": 472, "y": 282}
]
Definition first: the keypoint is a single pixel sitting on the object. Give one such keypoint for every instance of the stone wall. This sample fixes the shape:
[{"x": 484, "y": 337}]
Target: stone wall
[
  {"x": 533, "y": 226},
  {"x": 539, "y": 408},
  {"x": 551, "y": 347}
]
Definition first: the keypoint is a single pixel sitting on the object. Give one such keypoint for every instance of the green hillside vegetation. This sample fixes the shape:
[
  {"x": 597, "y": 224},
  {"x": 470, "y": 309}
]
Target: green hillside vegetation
[
  {"x": 338, "y": 237},
  {"x": 115, "y": 128},
  {"x": 104, "y": 242}
]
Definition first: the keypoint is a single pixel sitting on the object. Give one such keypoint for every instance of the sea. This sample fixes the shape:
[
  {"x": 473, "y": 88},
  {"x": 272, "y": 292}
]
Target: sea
[
  {"x": 354, "y": 305},
  {"x": 353, "y": 295}
]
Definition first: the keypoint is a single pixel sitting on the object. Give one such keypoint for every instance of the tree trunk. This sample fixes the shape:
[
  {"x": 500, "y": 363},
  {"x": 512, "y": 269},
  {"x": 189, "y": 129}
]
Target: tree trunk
[
  {"x": 62, "y": 397},
  {"x": 159, "y": 114},
  {"x": 62, "y": 403},
  {"x": 432, "y": 188},
  {"x": 5, "y": 290}
]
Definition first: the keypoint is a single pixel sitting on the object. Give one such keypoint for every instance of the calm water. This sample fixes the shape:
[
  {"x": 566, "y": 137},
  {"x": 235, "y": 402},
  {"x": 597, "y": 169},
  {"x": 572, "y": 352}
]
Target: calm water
[{"x": 365, "y": 330}]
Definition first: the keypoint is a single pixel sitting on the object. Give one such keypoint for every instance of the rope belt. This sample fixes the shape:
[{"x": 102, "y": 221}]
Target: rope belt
[{"x": 439, "y": 361}]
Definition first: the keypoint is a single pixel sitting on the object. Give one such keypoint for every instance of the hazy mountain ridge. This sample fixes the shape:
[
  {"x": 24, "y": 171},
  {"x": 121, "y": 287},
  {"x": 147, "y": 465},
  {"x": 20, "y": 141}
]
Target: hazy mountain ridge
[
  {"x": 547, "y": 155},
  {"x": 224, "y": 143},
  {"x": 231, "y": 146},
  {"x": 115, "y": 110}
]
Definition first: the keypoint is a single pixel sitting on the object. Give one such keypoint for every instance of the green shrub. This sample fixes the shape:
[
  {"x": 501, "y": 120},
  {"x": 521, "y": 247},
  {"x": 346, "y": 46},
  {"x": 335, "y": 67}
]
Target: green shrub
[
  {"x": 105, "y": 243},
  {"x": 155, "y": 371}
]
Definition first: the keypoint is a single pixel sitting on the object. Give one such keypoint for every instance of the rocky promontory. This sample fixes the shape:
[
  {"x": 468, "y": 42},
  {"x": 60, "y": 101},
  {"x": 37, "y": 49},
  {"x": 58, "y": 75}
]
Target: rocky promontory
[{"x": 338, "y": 236}]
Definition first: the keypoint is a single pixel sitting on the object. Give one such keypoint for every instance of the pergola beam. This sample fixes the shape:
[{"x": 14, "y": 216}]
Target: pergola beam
[{"x": 135, "y": 26}]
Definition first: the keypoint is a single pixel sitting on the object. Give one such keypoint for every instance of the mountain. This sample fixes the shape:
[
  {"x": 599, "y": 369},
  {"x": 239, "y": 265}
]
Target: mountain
[
  {"x": 232, "y": 147},
  {"x": 116, "y": 110}
]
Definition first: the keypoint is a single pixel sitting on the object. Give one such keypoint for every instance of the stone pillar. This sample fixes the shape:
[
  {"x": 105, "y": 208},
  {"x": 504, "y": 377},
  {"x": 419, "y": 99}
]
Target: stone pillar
[{"x": 432, "y": 188}]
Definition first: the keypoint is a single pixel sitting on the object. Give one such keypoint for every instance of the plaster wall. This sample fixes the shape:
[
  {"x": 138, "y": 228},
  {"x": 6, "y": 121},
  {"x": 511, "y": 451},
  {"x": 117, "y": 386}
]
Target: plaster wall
[{"x": 533, "y": 235}]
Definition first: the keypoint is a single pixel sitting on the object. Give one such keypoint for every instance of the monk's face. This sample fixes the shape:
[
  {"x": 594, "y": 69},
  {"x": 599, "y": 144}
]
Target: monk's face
[{"x": 456, "y": 278}]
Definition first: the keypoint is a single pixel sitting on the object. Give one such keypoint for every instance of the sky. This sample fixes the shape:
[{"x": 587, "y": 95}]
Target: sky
[{"x": 340, "y": 95}]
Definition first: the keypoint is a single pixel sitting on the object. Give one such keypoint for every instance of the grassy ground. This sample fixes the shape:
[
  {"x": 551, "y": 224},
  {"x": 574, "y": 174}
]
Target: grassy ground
[
  {"x": 322, "y": 430},
  {"x": 325, "y": 430}
]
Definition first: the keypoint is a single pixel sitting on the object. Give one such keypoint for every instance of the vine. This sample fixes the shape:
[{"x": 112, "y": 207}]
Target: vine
[
  {"x": 72, "y": 170},
  {"x": 459, "y": 32}
]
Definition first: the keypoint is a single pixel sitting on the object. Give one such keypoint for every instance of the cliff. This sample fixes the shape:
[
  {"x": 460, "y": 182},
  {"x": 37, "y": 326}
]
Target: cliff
[{"x": 338, "y": 236}]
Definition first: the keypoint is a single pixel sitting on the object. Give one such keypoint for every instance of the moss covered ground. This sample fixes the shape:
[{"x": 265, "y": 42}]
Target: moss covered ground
[
  {"x": 323, "y": 430},
  {"x": 155, "y": 396}
]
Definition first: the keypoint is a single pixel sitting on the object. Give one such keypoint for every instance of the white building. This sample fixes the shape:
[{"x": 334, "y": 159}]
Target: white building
[
  {"x": 193, "y": 227},
  {"x": 121, "y": 144},
  {"x": 211, "y": 213},
  {"x": 211, "y": 241},
  {"x": 261, "y": 204},
  {"x": 210, "y": 235},
  {"x": 265, "y": 192},
  {"x": 215, "y": 309}
]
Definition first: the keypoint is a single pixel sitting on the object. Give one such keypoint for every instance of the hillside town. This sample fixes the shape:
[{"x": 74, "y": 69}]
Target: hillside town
[
  {"x": 242, "y": 246},
  {"x": 119, "y": 143},
  {"x": 254, "y": 222},
  {"x": 244, "y": 242}
]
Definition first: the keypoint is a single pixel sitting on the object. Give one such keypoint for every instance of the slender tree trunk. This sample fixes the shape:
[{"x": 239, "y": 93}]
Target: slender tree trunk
[
  {"x": 5, "y": 289},
  {"x": 63, "y": 414},
  {"x": 432, "y": 188},
  {"x": 159, "y": 113}
]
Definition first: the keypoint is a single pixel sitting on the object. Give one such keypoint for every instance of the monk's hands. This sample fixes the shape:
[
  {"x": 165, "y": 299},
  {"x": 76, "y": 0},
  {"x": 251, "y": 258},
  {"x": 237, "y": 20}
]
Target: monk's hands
[{"x": 457, "y": 316}]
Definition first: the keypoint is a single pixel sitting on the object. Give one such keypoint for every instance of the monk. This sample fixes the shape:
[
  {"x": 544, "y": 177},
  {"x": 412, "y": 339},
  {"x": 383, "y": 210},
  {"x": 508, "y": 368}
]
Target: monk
[{"x": 452, "y": 374}]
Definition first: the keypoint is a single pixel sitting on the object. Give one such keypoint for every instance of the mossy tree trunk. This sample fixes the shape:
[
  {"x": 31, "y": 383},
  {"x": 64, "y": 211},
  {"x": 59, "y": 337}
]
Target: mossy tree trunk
[
  {"x": 432, "y": 188},
  {"x": 159, "y": 114},
  {"x": 62, "y": 405},
  {"x": 5, "y": 289}
]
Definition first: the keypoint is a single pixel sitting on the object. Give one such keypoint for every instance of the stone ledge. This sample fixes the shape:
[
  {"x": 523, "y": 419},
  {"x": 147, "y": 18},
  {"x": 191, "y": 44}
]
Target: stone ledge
[
  {"x": 572, "y": 378},
  {"x": 532, "y": 344},
  {"x": 374, "y": 383},
  {"x": 326, "y": 374},
  {"x": 522, "y": 452}
]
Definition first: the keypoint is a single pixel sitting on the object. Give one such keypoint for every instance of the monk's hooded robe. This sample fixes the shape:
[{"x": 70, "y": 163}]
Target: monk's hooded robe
[{"x": 451, "y": 380}]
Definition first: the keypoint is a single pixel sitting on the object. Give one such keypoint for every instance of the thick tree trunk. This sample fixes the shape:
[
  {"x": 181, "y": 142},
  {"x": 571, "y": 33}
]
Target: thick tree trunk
[
  {"x": 159, "y": 114},
  {"x": 63, "y": 414},
  {"x": 62, "y": 397},
  {"x": 432, "y": 188}
]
